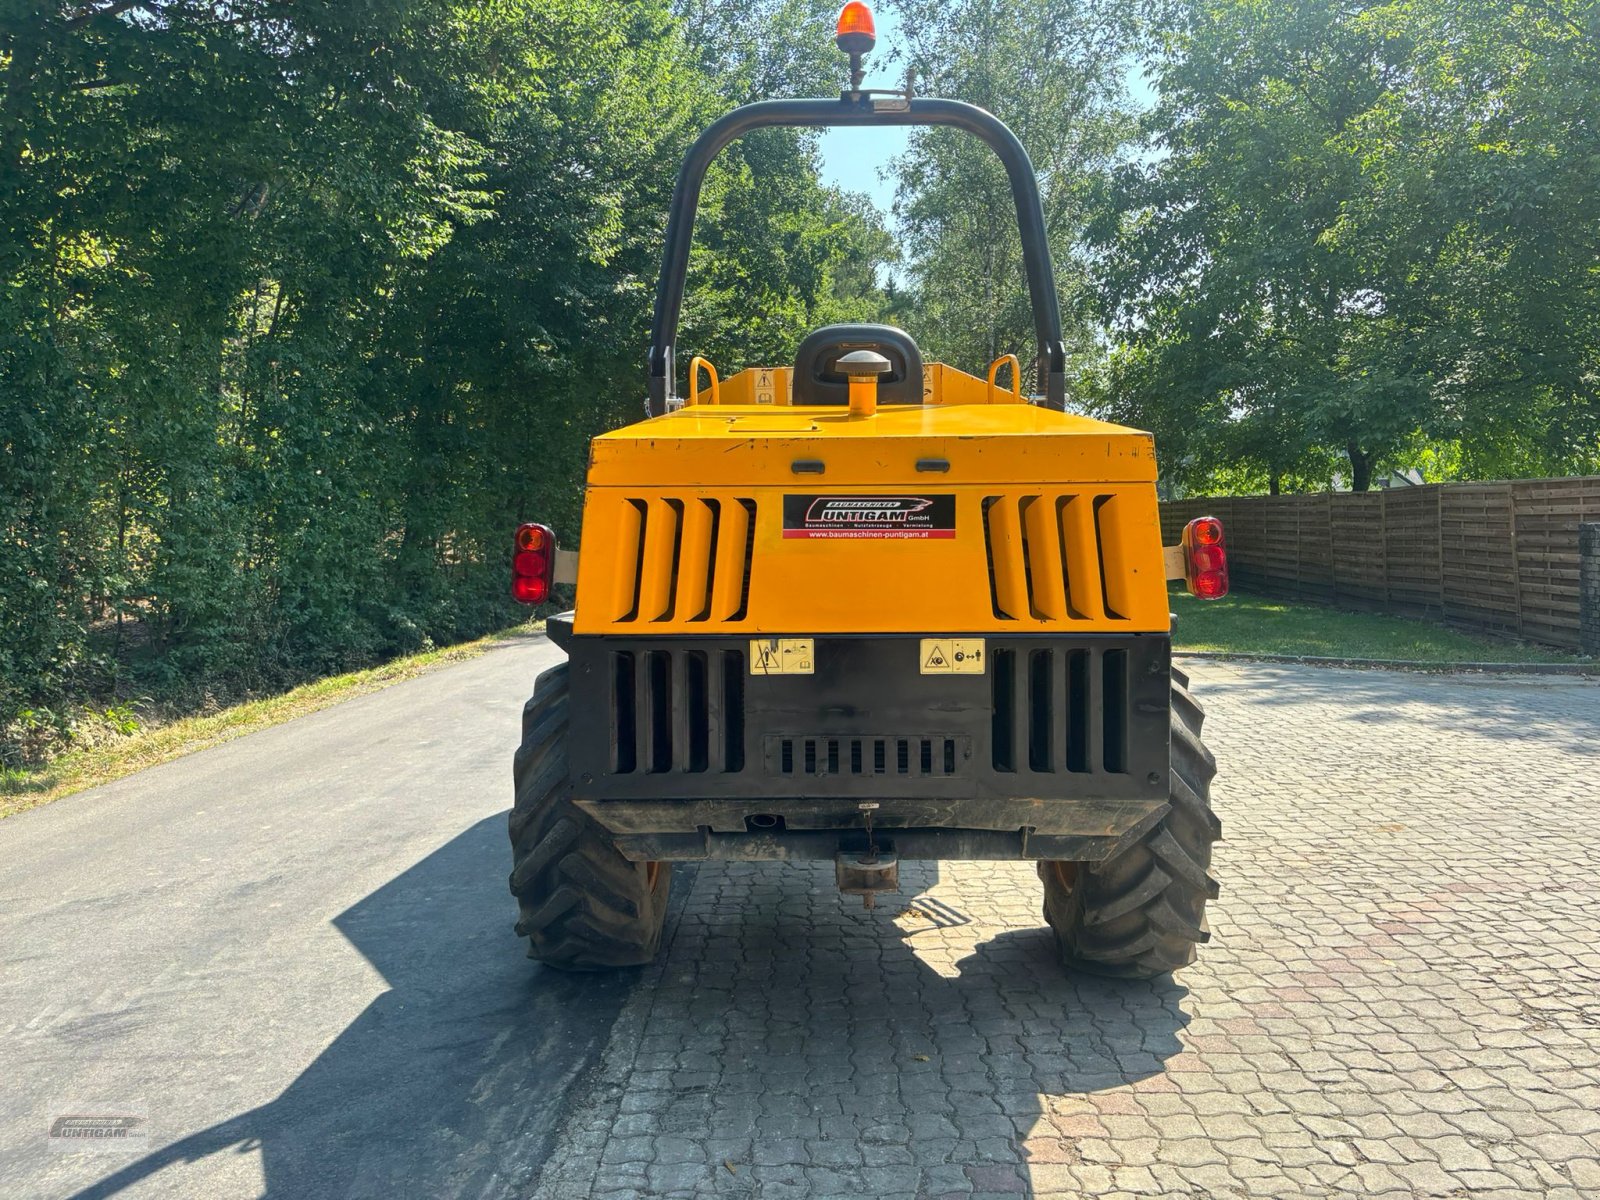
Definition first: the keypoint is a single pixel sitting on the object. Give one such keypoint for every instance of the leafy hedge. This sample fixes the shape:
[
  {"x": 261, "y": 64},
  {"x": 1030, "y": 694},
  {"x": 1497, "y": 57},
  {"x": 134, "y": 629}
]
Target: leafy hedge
[{"x": 304, "y": 306}]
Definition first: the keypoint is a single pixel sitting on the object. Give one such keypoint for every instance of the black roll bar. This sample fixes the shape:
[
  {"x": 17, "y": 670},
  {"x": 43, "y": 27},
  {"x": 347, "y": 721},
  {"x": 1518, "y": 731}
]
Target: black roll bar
[{"x": 857, "y": 109}]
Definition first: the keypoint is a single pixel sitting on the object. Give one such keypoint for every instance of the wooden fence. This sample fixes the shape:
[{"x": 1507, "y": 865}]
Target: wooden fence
[{"x": 1500, "y": 557}]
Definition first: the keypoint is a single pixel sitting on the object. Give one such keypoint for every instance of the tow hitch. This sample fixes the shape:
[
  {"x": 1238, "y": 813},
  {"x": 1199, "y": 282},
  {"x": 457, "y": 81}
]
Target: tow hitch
[{"x": 867, "y": 872}]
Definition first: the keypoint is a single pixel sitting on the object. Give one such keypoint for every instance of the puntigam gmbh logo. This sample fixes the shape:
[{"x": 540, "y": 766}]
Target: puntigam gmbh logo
[
  {"x": 99, "y": 1130},
  {"x": 889, "y": 510}
]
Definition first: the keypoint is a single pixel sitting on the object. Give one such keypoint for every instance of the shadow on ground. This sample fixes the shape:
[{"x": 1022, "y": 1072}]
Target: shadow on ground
[
  {"x": 812, "y": 1044},
  {"x": 804, "y": 1047},
  {"x": 447, "y": 1084}
]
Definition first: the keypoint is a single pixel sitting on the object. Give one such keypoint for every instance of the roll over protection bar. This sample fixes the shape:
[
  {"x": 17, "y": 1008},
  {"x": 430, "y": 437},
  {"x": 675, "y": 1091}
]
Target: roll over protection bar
[{"x": 857, "y": 109}]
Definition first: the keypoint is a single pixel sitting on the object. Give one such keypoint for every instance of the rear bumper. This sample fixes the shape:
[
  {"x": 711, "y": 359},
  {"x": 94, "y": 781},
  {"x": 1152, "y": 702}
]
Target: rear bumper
[{"x": 1058, "y": 749}]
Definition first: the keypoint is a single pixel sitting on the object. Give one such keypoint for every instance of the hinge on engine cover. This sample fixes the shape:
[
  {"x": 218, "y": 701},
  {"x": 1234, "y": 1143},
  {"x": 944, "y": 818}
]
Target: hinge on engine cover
[
  {"x": 566, "y": 566},
  {"x": 1172, "y": 559}
]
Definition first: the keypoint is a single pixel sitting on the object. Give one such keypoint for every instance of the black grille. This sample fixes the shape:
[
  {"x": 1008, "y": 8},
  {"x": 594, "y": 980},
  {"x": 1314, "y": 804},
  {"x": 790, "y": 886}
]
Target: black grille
[
  {"x": 1059, "y": 709},
  {"x": 677, "y": 710},
  {"x": 1050, "y": 718},
  {"x": 933, "y": 755}
]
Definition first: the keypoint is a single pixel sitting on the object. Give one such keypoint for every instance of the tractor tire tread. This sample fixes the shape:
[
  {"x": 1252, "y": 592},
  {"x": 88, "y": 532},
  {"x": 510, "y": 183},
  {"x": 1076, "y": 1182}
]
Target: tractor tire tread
[
  {"x": 1141, "y": 913},
  {"x": 582, "y": 905}
]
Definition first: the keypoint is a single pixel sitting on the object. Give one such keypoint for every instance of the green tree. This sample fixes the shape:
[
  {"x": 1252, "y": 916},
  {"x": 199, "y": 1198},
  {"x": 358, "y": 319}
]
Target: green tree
[
  {"x": 1054, "y": 73},
  {"x": 303, "y": 306},
  {"x": 184, "y": 184},
  {"x": 1354, "y": 228},
  {"x": 1500, "y": 117}
]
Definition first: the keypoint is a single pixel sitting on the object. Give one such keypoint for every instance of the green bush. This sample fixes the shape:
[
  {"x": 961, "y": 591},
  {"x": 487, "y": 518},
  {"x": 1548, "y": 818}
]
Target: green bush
[{"x": 303, "y": 308}]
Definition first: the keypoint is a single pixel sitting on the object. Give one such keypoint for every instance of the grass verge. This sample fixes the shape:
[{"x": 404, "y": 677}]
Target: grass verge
[
  {"x": 1244, "y": 624},
  {"x": 28, "y": 787}
]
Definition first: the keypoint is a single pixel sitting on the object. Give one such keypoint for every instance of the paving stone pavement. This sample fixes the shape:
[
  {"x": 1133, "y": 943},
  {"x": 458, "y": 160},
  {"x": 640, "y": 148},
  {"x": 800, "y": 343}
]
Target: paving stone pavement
[{"x": 1401, "y": 996}]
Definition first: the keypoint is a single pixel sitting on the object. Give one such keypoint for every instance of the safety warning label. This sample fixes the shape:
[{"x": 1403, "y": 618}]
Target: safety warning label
[
  {"x": 783, "y": 656},
  {"x": 811, "y": 516},
  {"x": 952, "y": 656}
]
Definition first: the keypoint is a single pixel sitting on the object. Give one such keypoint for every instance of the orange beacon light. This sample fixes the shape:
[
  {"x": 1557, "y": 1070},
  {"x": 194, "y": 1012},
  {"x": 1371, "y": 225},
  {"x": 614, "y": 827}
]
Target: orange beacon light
[{"x": 855, "y": 33}]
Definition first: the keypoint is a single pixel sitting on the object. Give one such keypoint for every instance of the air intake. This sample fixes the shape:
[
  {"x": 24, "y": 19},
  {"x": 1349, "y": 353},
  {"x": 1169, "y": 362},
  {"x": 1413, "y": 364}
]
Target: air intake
[
  {"x": 1061, "y": 710},
  {"x": 934, "y": 756},
  {"x": 677, "y": 710},
  {"x": 690, "y": 559},
  {"x": 1051, "y": 559}
]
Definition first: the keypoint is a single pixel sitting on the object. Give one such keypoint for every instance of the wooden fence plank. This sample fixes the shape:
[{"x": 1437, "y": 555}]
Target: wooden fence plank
[{"x": 1498, "y": 557}]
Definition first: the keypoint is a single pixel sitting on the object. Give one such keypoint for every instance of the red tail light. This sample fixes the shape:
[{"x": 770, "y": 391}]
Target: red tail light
[
  {"x": 1205, "y": 555},
  {"x": 533, "y": 564}
]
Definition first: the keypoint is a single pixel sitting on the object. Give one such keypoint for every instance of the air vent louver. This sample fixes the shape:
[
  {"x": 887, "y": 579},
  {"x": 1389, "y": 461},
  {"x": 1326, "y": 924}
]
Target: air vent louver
[
  {"x": 687, "y": 559},
  {"x": 1050, "y": 558}
]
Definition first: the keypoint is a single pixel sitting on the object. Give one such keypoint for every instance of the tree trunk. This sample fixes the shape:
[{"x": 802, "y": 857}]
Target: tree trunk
[{"x": 1360, "y": 469}]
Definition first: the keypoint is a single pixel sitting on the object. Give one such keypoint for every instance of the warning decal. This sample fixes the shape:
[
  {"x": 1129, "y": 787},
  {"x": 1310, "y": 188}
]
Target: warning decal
[
  {"x": 927, "y": 516},
  {"x": 783, "y": 656},
  {"x": 952, "y": 656}
]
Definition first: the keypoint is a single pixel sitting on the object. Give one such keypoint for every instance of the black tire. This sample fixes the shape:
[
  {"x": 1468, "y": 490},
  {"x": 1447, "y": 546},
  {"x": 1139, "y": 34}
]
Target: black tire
[
  {"x": 584, "y": 907},
  {"x": 1140, "y": 914}
]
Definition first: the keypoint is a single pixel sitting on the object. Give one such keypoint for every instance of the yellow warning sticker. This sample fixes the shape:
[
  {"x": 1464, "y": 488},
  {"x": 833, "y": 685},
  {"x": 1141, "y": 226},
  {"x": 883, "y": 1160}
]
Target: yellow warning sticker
[
  {"x": 783, "y": 656},
  {"x": 952, "y": 656}
]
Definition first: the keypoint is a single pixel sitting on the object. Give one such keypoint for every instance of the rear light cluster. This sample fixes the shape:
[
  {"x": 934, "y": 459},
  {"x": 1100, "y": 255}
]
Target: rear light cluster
[
  {"x": 533, "y": 564},
  {"x": 1205, "y": 558}
]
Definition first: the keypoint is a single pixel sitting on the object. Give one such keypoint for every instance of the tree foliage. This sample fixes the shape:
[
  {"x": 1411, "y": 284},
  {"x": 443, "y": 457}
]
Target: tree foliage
[
  {"x": 1053, "y": 73},
  {"x": 303, "y": 305},
  {"x": 1358, "y": 228}
]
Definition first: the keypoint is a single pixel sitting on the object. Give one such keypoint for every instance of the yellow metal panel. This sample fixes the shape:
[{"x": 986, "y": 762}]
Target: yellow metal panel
[
  {"x": 946, "y": 386},
  {"x": 1049, "y": 588},
  {"x": 774, "y": 385},
  {"x": 1130, "y": 544},
  {"x": 729, "y": 444},
  {"x": 766, "y": 387},
  {"x": 615, "y": 589},
  {"x": 725, "y": 453},
  {"x": 807, "y": 587},
  {"x": 1114, "y": 556},
  {"x": 733, "y": 535},
  {"x": 1005, "y": 540},
  {"x": 869, "y": 585},
  {"x": 1083, "y": 556},
  {"x": 694, "y": 559},
  {"x": 660, "y": 540},
  {"x": 771, "y": 387}
]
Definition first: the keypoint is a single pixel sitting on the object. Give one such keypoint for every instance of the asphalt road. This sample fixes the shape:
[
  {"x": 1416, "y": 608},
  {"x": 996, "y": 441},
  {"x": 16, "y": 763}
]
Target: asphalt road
[{"x": 293, "y": 954}]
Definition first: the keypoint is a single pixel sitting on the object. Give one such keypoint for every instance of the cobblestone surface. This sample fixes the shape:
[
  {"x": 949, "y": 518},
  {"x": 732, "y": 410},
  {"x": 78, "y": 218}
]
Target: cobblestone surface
[{"x": 1401, "y": 996}]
